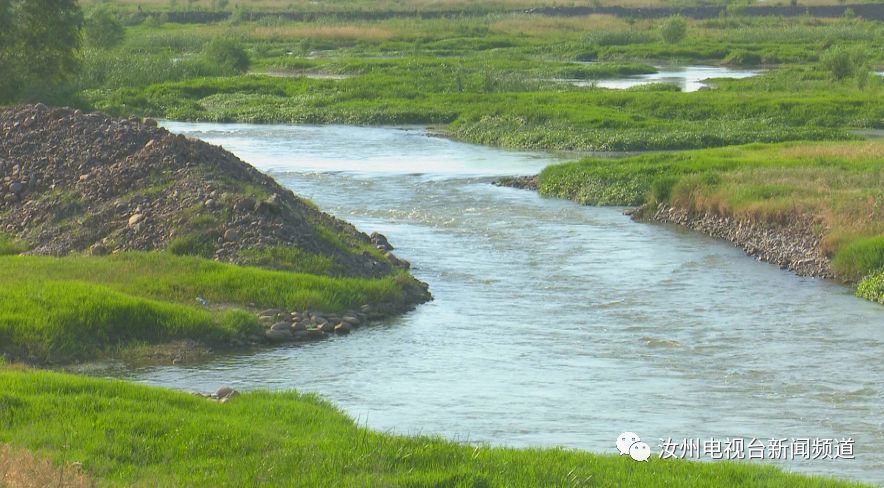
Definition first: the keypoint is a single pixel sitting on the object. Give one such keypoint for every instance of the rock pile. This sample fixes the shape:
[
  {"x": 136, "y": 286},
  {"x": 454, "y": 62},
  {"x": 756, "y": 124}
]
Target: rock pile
[
  {"x": 85, "y": 182},
  {"x": 521, "y": 182},
  {"x": 283, "y": 326}
]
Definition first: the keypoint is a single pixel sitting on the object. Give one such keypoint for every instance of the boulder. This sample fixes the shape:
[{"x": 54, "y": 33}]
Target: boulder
[
  {"x": 281, "y": 326},
  {"x": 278, "y": 335},
  {"x": 225, "y": 392}
]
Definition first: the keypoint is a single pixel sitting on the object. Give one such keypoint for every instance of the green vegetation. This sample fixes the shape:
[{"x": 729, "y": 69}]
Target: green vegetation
[
  {"x": 102, "y": 29},
  {"x": 9, "y": 245},
  {"x": 872, "y": 287},
  {"x": 73, "y": 308},
  {"x": 126, "y": 434},
  {"x": 39, "y": 40},
  {"x": 834, "y": 186},
  {"x": 674, "y": 29},
  {"x": 227, "y": 54},
  {"x": 856, "y": 259}
]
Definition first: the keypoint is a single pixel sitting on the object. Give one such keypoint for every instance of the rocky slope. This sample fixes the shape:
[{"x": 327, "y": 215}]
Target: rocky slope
[
  {"x": 795, "y": 247},
  {"x": 78, "y": 182}
]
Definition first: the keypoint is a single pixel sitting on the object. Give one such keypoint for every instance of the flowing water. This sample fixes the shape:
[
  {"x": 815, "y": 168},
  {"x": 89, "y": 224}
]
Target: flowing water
[
  {"x": 554, "y": 323},
  {"x": 688, "y": 78}
]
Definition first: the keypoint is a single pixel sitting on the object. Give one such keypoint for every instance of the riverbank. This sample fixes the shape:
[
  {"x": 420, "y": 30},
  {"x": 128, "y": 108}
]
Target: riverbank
[
  {"x": 118, "y": 234},
  {"x": 121, "y": 434},
  {"x": 805, "y": 207}
]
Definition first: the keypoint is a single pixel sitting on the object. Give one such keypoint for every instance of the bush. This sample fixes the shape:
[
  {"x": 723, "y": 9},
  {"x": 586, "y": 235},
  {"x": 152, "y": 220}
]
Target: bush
[
  {"x": 872, "y": 287},
  {"x": 102, "y": 29},
  {"x": 674, "y": 29},
  {"x": 227, "y": 54},
  {"x": 844, "y": 63},
  {"x": 859, "y": 257}
]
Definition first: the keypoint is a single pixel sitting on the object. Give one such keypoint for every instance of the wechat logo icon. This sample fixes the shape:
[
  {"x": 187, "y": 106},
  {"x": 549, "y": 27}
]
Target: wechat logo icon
[{"x": 630, "y": 443}]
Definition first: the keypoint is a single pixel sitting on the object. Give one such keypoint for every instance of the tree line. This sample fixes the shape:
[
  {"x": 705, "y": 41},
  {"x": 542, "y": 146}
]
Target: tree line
[{"x": 39, "y": 44}]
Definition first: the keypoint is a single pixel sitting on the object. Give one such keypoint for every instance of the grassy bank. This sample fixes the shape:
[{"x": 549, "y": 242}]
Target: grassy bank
[
  {"x": 837, "y": 186},
  {"x": 72, "y": 308},
  {"x": 125, "y": 434}
]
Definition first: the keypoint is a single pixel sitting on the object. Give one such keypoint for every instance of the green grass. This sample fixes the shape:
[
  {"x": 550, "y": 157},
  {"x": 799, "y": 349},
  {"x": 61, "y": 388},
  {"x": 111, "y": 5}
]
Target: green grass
[
  {"x": 833, "y": 185},
  {"x": 73, "y": 308},
  {"x": 126, "y": 434},
  {"x": 10, "y": 245},
  {"x": 859, "y": 257}
]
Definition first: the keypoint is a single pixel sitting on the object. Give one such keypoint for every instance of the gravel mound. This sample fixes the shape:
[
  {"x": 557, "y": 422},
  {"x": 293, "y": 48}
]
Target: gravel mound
[{"x": 84, "y": 182}]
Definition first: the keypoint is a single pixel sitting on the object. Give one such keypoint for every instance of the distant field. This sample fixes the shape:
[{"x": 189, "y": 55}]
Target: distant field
[{"x": 357, "y": 5}]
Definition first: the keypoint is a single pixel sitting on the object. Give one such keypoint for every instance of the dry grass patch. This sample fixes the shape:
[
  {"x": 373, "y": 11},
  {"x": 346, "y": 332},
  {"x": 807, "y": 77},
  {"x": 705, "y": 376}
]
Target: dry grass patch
[
  {"x": 851, "y": 152},
  {"x": 20, "y": 468},
  {"x": 543, "y": 25},
  {"x": 330, "y": 32}
]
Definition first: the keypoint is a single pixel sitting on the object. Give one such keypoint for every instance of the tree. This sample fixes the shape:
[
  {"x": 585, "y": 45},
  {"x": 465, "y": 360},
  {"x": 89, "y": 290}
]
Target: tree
[
  {"x": 6, "y": 72},
  {"x": 102, "y": 29},
  {"x": 40, "y": 40},
  {"x": 844, "y": 63},
  {"x": 674, "y": 29}
]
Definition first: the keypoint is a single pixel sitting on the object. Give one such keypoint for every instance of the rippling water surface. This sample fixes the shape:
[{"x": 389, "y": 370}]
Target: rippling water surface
[{"x": 553, "y": 323}]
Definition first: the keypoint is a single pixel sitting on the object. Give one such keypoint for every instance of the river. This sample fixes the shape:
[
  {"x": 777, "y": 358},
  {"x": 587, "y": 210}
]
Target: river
[{"x": 554, "y": 323}]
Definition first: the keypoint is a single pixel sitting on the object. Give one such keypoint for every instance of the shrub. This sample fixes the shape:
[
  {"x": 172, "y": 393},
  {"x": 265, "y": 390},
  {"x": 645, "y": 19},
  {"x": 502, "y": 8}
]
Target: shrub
[
  {"x": 227, "y": 54},
  {"x": 102, "y": 29},
  {"x": 843, "y": 63},
  {"x": 872, "y": 287},
  {"x": 674, "y": 29}
]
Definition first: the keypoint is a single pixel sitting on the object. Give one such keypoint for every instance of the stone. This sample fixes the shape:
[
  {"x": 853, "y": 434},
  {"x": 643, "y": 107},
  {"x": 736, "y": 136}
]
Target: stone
[
  {"x": 300, "y": 335},
  {"x": 315, "y": 334},
  {"x": 326, "y": 327},
  {"x": 16, "y": 187},
  {"x": 278, "y": 335},
  {"x": 231, "y": 235},
  {"x": 135, "y": 219},
  {"x": 98, "y": 249},
  {"x": 350, "y": 319},
  {"x": 342, "y": 328},
  {"x": 380, "y": 241},
  {"x": 225, "y": 392},
  {"x": 281, "y": 326}
]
